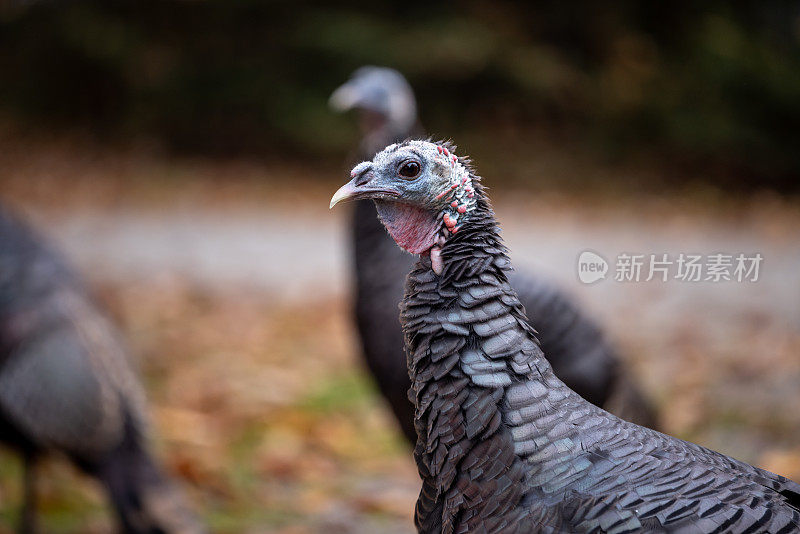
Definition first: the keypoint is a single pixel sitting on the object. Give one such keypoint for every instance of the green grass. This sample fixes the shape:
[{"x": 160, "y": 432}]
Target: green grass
[{"x": 344, "y": 392}]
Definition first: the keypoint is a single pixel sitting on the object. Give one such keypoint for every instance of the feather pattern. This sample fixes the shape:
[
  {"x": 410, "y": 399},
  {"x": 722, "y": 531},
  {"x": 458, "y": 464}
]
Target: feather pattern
[
  {"x": 505, "y": 446},
  {"x": 575, "y": 346}
]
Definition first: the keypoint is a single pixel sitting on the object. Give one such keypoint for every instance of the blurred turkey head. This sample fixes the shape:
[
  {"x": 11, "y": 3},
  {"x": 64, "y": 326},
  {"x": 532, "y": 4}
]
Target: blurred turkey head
[{"x": 423, "y": 192}]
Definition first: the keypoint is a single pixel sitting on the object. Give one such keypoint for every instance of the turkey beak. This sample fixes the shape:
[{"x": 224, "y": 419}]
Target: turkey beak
[
  {"x": 362, "y": 186},
  {"x": 344, "y": 98},
  {"x": 347, "y": 192}
]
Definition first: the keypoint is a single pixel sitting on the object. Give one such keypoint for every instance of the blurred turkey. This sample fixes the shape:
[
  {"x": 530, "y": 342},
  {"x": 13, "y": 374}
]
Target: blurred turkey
[
  {"x": 503, "y": 444},
  {"x": 572, "y": 342},
  {"x": 66, "y": 386}
]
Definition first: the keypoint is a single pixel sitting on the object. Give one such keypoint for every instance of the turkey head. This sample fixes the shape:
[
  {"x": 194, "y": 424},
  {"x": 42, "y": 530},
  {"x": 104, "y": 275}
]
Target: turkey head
[{"x": 423, "y": 193}]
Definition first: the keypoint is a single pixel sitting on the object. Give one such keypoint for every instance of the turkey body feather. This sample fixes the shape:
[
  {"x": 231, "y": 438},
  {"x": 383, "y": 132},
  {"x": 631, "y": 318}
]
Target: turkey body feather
[
  {"x": 66, "y": 385},
  {"x": 573, "y": 343}
]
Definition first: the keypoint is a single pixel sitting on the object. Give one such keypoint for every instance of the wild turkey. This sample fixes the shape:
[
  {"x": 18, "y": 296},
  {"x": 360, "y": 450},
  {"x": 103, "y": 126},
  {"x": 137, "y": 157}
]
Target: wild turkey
[
  {"x": 504, "y": 445},
  {"x": 573, "y": 343},
  {"x": 66, "y": 386}
]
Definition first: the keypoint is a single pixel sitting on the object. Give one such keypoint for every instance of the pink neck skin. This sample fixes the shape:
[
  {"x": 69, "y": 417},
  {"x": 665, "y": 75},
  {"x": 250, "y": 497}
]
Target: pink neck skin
[{"x": 413, "y": 229}]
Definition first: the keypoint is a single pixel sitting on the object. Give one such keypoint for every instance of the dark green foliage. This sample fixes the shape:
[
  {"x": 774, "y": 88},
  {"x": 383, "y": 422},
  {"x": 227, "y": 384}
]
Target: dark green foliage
[{"x": 712, "y": 83}]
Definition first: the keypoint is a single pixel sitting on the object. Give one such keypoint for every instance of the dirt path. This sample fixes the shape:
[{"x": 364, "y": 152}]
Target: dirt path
[{"x": 295, "y": 258}]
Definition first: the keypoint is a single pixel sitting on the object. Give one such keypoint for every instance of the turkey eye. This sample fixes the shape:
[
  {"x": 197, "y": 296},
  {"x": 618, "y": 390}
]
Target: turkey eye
[{"x": 409, "y": 169}]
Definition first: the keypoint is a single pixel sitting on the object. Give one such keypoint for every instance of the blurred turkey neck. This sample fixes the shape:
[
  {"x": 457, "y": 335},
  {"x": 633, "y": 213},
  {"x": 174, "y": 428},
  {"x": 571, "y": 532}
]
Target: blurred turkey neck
[
  {"x": 379, "y": 138},
  {"x": 372, "y": 243},
  {"x": 369, "y": 234}
]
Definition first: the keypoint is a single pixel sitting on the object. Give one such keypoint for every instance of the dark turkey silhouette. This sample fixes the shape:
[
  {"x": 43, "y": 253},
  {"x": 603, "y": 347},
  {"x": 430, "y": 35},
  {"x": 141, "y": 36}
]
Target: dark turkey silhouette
[
  {"x": 504, "y": 445},
  {"x": 574, "y": 344},
  {"x": 66, "y": 386}
]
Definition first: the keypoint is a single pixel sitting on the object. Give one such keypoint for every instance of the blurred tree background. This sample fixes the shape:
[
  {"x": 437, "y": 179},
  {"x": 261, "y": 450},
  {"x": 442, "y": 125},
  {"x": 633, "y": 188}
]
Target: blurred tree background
[{"x": 713, "y": 87}]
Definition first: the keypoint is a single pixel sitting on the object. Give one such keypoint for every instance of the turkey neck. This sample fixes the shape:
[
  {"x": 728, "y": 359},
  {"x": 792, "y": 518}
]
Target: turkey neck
[{"x": 467, "y": 340}]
